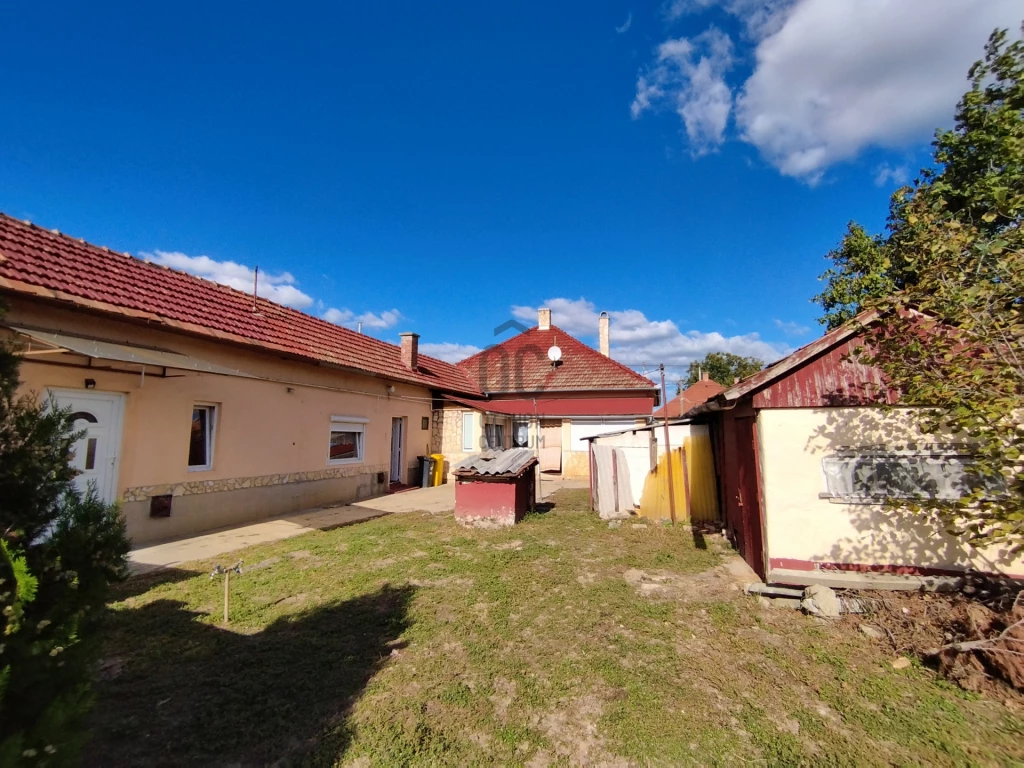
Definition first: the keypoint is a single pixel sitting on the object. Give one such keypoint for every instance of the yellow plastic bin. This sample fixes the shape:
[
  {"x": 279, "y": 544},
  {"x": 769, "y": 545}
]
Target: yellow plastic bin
[{"x": 437, "y": 476}]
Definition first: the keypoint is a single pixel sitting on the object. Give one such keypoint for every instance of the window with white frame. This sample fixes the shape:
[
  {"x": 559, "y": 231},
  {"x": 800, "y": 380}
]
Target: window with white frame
[
  {"x": 200, "y": 443},
  {"x": 346, "y": 440},
  {"x": 878, "y": 475},
  {"x": 521, "y": 433},
  {"x": 468, "y": 431}
]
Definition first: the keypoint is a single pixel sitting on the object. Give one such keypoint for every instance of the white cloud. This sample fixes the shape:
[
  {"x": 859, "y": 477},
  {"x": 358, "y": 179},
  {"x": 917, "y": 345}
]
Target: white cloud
[
  {"x": 896, "y": 176},
  {"x": 279, "y": 288},
  {"x": 689, "y": 74},
  {"x": 834, "y": 77},
  {"x": 625, "y": 25},
  {"x": 337, "y": 316},
  {"x": 791, "y": 328},
  {"x": 760, "y": 18},
  {"x": 637, "y": 341},
  {"x": 385, "y": 319},
  {"x": 448, "y": 351},
  {"x": 370, "y": 320}
]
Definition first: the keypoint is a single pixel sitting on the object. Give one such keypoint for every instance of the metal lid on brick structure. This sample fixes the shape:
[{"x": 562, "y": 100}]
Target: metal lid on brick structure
[{"x": 510, "y": 463}]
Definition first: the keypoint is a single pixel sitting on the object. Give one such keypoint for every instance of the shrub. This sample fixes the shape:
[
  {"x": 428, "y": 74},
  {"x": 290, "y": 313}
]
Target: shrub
[{"x": 59, "y": 550}]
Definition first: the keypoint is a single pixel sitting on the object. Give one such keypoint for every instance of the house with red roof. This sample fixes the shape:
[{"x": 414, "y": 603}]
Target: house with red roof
[
  {"x": 201, "y": 406},
  {"x": 696, "y": 394},
  {"x": 546, "y": 390}
]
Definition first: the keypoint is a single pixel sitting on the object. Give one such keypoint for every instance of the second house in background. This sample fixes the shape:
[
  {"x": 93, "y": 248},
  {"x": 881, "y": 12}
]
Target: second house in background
[{"x": 547, "y": 390}]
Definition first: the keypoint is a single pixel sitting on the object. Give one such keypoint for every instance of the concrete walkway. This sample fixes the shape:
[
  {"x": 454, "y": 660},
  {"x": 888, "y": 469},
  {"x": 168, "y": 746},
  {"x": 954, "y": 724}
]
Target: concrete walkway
[{"x": 173, "y": 553}]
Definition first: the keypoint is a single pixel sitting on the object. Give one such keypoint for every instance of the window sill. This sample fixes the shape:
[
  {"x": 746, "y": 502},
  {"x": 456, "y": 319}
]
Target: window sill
[
  {"x": 201, "y": 469},
  {"x": 874, "y": 500},
  {"x": 343, "y": 462}
]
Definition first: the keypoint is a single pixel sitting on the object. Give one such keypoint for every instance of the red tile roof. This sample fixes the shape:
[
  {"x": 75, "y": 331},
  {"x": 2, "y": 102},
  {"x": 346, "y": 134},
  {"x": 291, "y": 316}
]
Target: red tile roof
[
  {"x": 697, "y": 393},
  {"x": 38, "y": 262},
  {"x": 521, "y": 364},
  {"x": 564, "y": 406}
]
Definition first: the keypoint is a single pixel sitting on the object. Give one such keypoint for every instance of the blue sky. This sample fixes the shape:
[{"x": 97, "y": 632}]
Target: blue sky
[{"x": 442, "y": 168}]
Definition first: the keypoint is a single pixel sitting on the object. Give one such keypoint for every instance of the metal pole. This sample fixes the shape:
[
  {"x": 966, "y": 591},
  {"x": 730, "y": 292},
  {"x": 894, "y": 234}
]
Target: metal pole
[
  {"x": 540, "y": 488},
  {"x": 668, "y": 451}
]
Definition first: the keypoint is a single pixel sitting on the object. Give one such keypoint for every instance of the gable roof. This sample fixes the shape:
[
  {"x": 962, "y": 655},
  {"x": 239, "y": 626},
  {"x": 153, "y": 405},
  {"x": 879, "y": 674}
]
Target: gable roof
[
  {"x": 697, "y": 393},
  {"x": 51, "y": 265},
  {"x": 521, "y": 364},
  {"x": 806, "y": 353},
  {"x": 848, "y": 332}
]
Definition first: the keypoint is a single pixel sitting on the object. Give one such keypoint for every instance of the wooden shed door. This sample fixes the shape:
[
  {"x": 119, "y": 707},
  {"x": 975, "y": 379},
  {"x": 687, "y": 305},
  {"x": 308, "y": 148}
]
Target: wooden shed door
[{"x": 748, "y": 498}]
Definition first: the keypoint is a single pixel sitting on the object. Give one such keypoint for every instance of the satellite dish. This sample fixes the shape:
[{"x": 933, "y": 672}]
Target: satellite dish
[{"x": 554, "y": 354}]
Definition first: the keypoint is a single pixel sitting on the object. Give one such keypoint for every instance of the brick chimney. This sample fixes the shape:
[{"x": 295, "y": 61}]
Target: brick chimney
[
  {"x": 544, "y": 319},
  {"x": 604, "y": 343},
  {"x": 410, "y": 350},
  {"x": 705, "y": 376}
]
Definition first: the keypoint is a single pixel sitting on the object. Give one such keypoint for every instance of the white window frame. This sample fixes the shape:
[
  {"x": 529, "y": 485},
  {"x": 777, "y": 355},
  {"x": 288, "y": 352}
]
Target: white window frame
[
  {"x": 211, "y": 435},
  {"x": 468, "y": 435},
  {"x": 355, "y": 424}
]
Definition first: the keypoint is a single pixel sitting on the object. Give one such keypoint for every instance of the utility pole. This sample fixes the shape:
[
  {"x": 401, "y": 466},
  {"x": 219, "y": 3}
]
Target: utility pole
[{"x": 668, "y": 452}]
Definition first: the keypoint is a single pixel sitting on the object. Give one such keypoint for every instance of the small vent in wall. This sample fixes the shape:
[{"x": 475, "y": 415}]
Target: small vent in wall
[{"x": 160, "y": 506}]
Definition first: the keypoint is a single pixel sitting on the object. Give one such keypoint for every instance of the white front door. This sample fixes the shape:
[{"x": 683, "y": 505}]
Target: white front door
[
  {"x": 98, "y": 415},
  {"x": 396, "y": 449}
]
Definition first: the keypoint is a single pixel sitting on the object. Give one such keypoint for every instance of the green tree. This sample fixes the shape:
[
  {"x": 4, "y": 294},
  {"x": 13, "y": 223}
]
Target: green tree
[
  {"x": 58, "y": 553},
  {"x": 723, "y": 367},
  {"x": 860, "y": 271},
  {"x": 950, "y": 336}
]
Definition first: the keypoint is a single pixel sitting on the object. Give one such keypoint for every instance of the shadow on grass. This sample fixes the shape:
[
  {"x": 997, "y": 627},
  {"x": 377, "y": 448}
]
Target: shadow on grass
[
  {"x": 139, "y": 584},
  {"x": 177, "y": 691}
]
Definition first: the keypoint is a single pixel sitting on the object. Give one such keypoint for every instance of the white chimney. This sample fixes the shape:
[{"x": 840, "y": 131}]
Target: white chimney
[
  {"x": 410, "y": 350},
  {"x": 544, "y": 319},
  {"x": 604, "y": 343}
]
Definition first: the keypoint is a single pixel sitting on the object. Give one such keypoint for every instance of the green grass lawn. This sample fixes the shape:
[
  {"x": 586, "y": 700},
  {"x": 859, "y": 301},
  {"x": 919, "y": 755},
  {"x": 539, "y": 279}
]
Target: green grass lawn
[{"x": 411, "y": 640}]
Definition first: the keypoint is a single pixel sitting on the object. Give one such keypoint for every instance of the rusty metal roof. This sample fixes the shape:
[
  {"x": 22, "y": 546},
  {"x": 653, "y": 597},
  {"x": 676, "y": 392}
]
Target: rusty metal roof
[
  {"x": 801, "y": 356},
  {"x": 511, "y": 462}
]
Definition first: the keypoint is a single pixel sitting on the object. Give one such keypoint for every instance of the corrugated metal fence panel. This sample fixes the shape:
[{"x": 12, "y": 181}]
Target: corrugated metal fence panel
[
  {"x": 701, "y": 465},
  {"x": 699, "y": 477}
]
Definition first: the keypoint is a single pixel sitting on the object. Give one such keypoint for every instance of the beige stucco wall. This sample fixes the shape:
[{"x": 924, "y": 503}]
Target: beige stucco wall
[
  {"x": 447, "y": 437},
  {"x": 271, "y": 438},
  {"x": 447, "y": 434},
  {"x": 801, "y": 526}
]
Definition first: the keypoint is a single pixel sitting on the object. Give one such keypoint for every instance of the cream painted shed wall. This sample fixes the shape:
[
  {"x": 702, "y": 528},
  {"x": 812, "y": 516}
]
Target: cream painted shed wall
[{"x": 802, "y": 528}]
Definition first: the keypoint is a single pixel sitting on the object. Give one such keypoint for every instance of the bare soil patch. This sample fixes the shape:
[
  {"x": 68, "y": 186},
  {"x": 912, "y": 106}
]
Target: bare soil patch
[{"x": 944, "y": 630}]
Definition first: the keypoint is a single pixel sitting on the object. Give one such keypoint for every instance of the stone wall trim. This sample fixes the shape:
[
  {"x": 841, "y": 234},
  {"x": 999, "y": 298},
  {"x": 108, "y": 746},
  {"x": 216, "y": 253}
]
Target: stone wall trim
[{"x": 144, "y": 492}]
